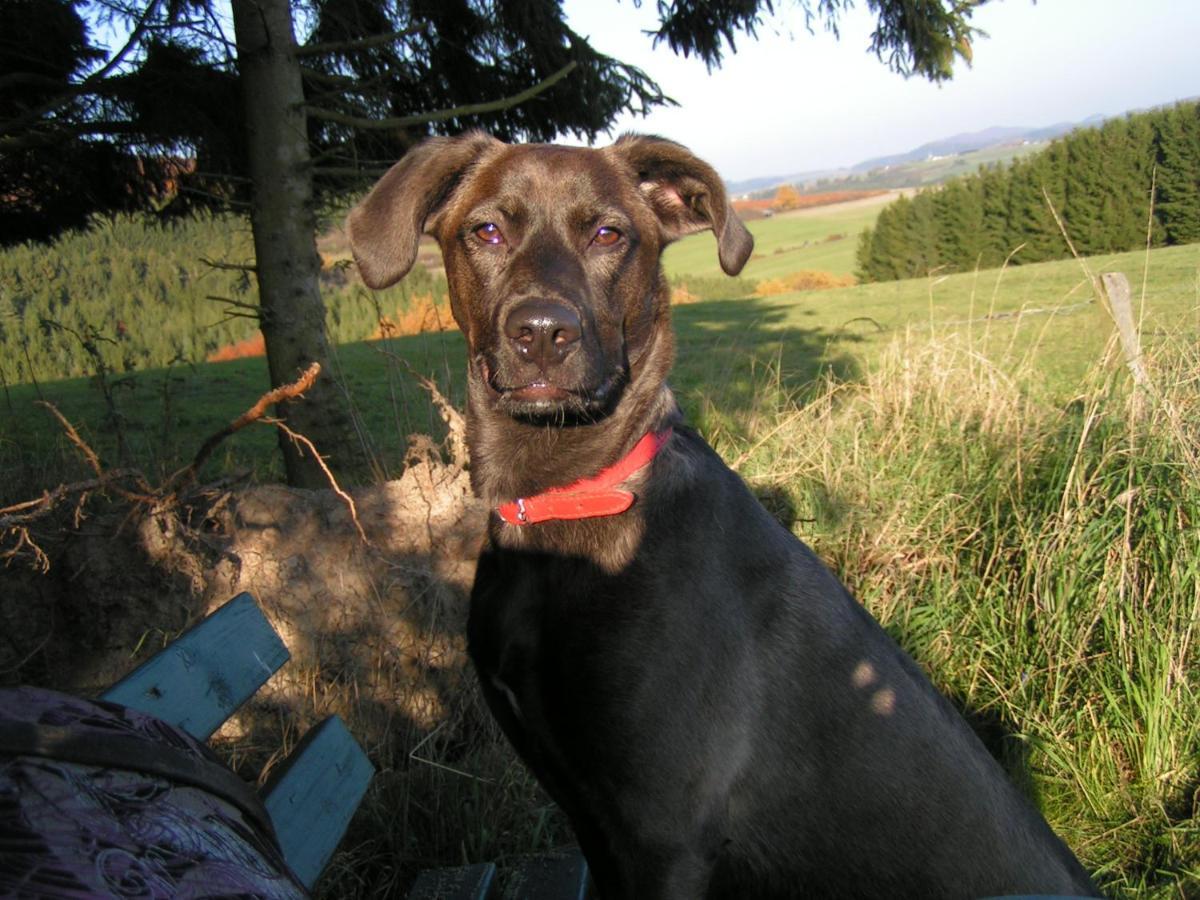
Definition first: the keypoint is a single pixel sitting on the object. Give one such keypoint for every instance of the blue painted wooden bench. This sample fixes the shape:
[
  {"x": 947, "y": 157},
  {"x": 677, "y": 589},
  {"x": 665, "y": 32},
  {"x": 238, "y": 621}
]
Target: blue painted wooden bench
[
  {"x": 201, "y": 678},
  {"x": 548, "y": 876}
]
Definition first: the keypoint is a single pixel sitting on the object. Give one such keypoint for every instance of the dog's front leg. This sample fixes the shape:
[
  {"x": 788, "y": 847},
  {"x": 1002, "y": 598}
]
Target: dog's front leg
[{"x": 675, "y": 871}]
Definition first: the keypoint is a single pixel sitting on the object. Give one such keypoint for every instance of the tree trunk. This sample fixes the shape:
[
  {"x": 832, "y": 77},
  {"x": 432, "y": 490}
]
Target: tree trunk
[{"x": 292, "y": 313}]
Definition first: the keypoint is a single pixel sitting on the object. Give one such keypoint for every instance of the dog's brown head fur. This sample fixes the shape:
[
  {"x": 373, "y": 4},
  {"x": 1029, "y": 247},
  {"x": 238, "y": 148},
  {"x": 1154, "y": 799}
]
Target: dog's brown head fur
[{"x": 552, "y": 257}]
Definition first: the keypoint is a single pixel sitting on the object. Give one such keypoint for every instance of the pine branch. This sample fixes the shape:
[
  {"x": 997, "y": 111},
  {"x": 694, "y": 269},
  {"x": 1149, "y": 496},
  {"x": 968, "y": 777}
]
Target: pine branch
[
  {"x": 21, "y": 133},
  {"x": 349, "y": 172},
  {"x": 88, "y": 85},
  {"x": 442, "y": 115},
  {"x": 366, "y": 43}
]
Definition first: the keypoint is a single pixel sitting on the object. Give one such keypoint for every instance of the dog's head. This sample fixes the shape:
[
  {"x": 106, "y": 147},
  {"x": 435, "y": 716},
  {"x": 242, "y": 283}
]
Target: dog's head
[{"x": 552, "y": 257}]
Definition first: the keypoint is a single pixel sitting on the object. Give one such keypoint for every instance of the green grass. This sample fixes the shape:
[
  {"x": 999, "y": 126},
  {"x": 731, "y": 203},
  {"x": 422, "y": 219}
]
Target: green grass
[
  {"x": 166, "y": 414},
  {"x": 785, "y": 243}
]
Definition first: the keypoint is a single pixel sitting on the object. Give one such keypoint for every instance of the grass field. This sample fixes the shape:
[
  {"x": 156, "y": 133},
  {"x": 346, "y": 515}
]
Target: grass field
[
  {"x": 963, "y": 450},
  {"x": 823, "y": 239},
  {"x": 166, "y": 414}
]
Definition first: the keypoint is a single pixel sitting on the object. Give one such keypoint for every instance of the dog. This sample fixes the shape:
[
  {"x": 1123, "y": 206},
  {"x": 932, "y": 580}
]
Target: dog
[{"x": 714, "y": 712}]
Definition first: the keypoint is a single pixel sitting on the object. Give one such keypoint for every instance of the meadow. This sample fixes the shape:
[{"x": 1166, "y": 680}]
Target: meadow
[{"x": 966, "y": 451}]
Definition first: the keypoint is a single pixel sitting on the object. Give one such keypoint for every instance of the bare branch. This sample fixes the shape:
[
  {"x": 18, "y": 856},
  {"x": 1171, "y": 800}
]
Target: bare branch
[
  {"x": 88, "y": 453},
  {"x": 284, "y": 392},
  {"x": 233, "y": 267},
  {"x": 441, "y": 115},
  {"x": 334, "y": 486}
]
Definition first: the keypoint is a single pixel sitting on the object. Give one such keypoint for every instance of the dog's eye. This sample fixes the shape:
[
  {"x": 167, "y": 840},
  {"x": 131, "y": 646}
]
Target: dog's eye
[
  {"x": 606, "y": 237},
  {"x": 489, "y": 233}
]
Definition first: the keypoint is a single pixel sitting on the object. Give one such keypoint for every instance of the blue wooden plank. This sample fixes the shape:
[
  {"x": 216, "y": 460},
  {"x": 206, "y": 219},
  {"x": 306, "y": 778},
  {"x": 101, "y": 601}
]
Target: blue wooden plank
[
  {"x": 199, "y": 679},
  {"x": 312, "y": 796},
  {"x": 460, "y": 883},
  {"x": 559, "y": 875}
]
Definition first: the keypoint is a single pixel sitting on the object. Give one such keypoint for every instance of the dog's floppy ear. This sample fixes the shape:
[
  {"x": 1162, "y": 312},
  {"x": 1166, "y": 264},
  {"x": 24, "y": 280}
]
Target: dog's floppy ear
[
  {"x": 687, "y": 194},
  {"x": 385, "y": 227}
]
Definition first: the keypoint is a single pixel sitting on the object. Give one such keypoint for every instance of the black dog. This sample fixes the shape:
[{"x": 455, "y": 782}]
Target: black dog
[{"x": 717, "y": 716}]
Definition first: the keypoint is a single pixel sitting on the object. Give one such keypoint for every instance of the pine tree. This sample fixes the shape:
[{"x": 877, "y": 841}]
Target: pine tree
[
  {"x": 862, "y": 259},
  {"x": 1179, "y": 173},
  {"x": 1030, "y": 220},
  {"x": 890, "y": 247},
  {"x": 921, "y": 231},
  {"x": 993, "y": 190},
  {"x": 1137, "y": 179},
  {"x": 958, "y": 216},
  {"x": 1086, "y": 192}
]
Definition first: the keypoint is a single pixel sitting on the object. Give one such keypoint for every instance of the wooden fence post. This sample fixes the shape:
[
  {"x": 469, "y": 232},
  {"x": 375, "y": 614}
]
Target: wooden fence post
[{"x": 1114, "y": 287}]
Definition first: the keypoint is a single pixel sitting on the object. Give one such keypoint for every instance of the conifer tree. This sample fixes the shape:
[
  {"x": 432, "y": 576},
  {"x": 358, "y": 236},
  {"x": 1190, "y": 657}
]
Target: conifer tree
[
  {"x": 958, "y": 214},
  {"x": 993, "y": 190},
  {"x": 1134, "y": 180},
  {"x": 921, "y": 236},
  {"x": 1087, "y": 191},
  {"x": 1179, "y": 173}
]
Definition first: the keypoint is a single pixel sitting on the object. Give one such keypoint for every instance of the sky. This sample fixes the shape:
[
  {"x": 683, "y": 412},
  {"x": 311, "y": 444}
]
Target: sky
[{"x": 794, "y": 102}]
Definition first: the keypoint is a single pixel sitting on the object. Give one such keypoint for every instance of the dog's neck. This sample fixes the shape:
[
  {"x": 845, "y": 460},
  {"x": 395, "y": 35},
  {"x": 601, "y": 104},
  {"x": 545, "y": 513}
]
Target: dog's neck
[
  {"x": 511, "y": 459},
  {"x": 603, "y": 494}
]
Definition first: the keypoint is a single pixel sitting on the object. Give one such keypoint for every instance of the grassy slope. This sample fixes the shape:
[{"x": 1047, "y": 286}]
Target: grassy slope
[
  {"x": 168, "y": 414},
  {"x": 786, "y": 243}
]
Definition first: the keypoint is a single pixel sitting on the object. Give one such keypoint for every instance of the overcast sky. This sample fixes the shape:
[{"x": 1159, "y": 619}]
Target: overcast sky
[{"x": 793, "y": 101}]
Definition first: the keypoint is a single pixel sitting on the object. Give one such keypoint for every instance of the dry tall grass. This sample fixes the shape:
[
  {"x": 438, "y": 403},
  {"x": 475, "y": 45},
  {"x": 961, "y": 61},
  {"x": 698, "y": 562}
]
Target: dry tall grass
[{"x": 1041, "y": 560}]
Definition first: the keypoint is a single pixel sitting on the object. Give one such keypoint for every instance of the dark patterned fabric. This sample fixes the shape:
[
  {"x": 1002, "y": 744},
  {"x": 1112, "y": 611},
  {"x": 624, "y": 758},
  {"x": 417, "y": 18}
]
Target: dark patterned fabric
[{"x": 74, "y": 830}]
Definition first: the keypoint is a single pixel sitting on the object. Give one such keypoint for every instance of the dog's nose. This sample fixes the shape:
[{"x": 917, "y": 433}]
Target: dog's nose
[{"x": 543, "y": 332}]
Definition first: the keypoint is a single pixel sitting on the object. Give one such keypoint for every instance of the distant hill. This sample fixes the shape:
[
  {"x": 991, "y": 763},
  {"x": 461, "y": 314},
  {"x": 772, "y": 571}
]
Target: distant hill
[
  {"x": 969, "y": 142},
  {"x": 989, "y": 144},
  {"x": 934, "y": 162}
]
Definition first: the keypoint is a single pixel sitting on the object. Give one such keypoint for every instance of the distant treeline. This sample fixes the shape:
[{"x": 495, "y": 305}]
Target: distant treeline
[
  {"x": 1098, "y": 181},
  {"x": 132, "y": 293}
]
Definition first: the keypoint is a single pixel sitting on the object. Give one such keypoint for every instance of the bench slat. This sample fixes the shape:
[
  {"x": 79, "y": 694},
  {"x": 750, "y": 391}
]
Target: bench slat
[
  {"x": 549, "y": 876},
  {"x": 461, "y": 883},
  {"x": 204, "y": 675},
  {"x": 313, "y": 794}
]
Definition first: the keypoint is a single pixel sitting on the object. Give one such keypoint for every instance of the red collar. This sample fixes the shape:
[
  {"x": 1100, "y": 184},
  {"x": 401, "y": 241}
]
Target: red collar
[{"x": 588, "y": 497}]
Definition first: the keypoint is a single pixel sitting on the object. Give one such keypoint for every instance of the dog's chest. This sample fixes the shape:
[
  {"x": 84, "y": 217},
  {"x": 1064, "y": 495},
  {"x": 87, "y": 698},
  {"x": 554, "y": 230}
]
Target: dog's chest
[{"x": 546, "y": 633}]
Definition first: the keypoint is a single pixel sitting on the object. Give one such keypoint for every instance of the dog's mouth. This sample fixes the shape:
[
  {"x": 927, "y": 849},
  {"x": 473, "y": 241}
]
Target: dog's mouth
[
  {"x": 541, "y": 400},
  {"x": 538, "y": 392}
]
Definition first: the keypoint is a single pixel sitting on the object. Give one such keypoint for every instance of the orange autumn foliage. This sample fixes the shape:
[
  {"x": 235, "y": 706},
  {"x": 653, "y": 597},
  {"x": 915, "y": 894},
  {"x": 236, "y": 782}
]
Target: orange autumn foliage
[
  {"x": 251, "y": 346},
  {"x": 423, "y": 315},
  {"x": 806, "y": 280}
]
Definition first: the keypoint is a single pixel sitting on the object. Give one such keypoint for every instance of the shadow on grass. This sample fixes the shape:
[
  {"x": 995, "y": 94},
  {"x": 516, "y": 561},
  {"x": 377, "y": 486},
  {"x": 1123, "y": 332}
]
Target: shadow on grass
[{"x": 731, "y": 355}]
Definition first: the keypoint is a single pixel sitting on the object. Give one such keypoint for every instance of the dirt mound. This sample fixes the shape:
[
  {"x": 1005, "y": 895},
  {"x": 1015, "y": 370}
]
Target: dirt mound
[{"x": 375, "y": 628}]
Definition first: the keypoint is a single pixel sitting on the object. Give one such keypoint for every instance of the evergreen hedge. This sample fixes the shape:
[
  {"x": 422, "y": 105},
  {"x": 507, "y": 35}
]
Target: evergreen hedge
[{"x": 1098, "y": 181}]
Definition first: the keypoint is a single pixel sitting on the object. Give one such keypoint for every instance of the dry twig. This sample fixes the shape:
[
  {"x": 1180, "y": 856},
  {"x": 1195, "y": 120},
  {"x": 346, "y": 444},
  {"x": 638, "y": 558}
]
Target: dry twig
[
  {"x": 284, "y": 392},
  {"x": 346, "y": 498}
]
